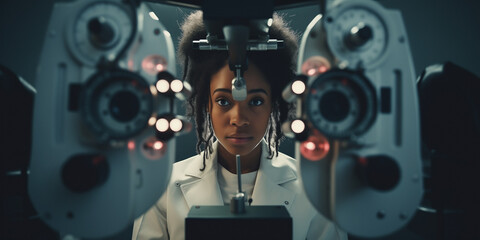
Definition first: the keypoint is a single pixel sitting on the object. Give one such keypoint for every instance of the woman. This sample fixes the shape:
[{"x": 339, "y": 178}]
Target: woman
[{"x": 225, "y": 128}]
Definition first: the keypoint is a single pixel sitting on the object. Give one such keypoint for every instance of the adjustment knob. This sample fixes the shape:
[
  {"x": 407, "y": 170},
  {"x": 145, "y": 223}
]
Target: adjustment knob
[
  {"x": 358, "y": 36},
  {"x": 84, "y": 172},
  {"x": 101, "y": 33},
  {"x": 380, "y": 172}
]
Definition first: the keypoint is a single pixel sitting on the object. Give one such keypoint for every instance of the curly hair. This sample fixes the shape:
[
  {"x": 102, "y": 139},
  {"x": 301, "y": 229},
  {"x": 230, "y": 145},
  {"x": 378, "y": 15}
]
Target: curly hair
[{"x": 278, "y": 66}]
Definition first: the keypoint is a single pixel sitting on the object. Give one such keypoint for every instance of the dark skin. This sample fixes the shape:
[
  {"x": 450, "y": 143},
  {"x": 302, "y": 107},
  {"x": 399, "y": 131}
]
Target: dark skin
[{"x": 240, "y": 126}]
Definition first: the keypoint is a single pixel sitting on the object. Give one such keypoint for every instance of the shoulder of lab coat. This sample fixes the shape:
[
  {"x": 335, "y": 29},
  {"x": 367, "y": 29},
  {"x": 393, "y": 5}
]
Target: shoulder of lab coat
[
  {"x": 188, "y": 186},
  {"x": 277, "y": 183}
]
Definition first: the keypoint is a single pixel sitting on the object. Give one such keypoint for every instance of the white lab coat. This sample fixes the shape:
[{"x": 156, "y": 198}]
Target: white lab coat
[{"x": 277, "y": 183}]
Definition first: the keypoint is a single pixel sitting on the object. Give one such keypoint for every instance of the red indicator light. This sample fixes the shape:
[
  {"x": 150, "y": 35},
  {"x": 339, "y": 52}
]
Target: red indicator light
[{"x": 315, "y": 148}]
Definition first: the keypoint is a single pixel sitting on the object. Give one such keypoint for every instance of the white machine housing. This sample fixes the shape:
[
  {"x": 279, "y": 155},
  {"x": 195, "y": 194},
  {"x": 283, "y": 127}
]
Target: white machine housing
[
  {"x": 137, "y": 177},
  {"x": 332, "y": 185}
]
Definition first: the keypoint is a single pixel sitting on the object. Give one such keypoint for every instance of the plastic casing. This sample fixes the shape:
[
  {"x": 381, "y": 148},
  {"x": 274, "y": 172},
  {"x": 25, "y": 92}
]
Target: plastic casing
[{"x": 135, "y": 182}]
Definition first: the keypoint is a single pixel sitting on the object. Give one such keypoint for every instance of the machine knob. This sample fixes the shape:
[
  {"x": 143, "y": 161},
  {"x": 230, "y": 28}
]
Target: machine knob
[
  {"x": 83, "y": 172},
  {"x": 358, "y": 36},
  {"x": 380, "y": 172},
  {"x": 101, "y": 33}
]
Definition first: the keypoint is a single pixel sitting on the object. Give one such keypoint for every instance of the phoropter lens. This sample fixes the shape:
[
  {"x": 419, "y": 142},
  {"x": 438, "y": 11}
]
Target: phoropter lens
[
  {"x": 124, "y": 106},
  {"x": 334, "y": 106}
]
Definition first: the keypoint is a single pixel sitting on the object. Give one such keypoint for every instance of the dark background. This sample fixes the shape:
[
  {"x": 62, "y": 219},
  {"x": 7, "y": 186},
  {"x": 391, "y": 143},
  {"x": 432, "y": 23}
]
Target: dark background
[{"x": 438, "y": 31}]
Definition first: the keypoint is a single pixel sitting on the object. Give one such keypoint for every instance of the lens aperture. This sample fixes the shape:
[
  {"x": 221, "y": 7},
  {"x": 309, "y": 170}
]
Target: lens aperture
[
  {"x": 334, "y": 106},
  {"x": 124, "y": 106}
]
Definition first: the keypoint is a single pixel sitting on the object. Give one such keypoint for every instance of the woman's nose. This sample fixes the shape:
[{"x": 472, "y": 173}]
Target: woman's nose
[{"x": 238, "y": 116}]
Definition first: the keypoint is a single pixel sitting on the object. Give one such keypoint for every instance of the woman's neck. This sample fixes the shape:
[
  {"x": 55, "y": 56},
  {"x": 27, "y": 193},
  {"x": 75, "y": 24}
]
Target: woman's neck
[{"x": 250, "y": 162}]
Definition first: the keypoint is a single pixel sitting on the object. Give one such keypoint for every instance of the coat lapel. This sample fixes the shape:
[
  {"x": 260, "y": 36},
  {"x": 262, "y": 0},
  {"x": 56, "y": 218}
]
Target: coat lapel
[
  {"x": 203, "y": 189},
  {"x": 271, "y": 175}
]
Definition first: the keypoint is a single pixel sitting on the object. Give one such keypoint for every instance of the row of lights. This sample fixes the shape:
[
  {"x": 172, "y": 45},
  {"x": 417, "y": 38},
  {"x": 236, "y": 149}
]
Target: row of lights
[
  {"x": 167, "y": 125},
  {"x": 314, "y": 146}
]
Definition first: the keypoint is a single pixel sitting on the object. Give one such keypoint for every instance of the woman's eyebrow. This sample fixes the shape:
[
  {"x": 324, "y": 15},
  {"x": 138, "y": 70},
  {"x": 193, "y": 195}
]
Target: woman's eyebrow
[
  {"x": 222, "y": 90},
  {"x": 261, "y": 90}
]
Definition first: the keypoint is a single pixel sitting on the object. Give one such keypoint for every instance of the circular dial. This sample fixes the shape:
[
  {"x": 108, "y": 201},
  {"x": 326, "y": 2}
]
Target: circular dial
[
  {"x": 116, "y": 104},
  {"x": 341, "y": 104},
  {"x": 357, "y": 35},
  {"x": 100, "y": 29}
]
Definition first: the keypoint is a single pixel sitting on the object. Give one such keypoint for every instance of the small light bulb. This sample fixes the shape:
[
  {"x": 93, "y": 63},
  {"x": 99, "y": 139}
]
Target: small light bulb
[
  {"x": 153, "y": 64},
  {"x": 176, "y": 124},
  {"x": 315, "y": 148},
  {"x": 131, "y": 145},
  {"x": 311, "y": 71},
  {"x": 160, "y": 67},
  {"x": 297, "y": 126},
  {"x": 298, "y": 87},
  {"x": 322, "y": 69},
  {"x": 162, "y": 125},
  {"x": 157, "y": 145},
  {"x": 315, "y": 65},
  {"x": 153, "y": 149},
  {"x": 269, "y": 22},
  {"x": 163, "y": 86},
  {"x": 153, "y": 90},
  {"x": 176, "y": 86},
  {"x": 310, "y": 146},
  {"x": 152, "y": 121}
]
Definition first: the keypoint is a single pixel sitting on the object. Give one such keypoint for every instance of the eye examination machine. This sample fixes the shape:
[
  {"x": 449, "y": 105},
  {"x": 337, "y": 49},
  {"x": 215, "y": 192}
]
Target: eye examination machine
[
  {"x": 359, "y": 119},
  {"x": 105, "y": 125},
  {"x": 103, "y": 117}
]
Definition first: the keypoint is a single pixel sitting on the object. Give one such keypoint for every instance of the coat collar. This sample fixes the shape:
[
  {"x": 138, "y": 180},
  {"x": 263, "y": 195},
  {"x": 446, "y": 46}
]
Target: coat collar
[
  {"x": 272, "y": 174},
  {"x": 204, "y": 188}
]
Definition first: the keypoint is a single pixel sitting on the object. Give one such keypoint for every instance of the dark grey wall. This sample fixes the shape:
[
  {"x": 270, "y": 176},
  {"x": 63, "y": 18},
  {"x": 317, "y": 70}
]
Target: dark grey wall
[
  {"x": 442, "y": 30},
  {"x": 439, "y": 30}
]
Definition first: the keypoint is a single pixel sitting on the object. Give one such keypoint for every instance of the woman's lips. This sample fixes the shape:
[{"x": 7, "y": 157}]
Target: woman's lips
[{"x": 239, "y": 139}]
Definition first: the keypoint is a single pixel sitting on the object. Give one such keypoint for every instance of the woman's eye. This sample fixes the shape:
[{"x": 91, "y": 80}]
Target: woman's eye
[
  {"x": 256, "y": 102},
  {"x": 223, "y": 102}
]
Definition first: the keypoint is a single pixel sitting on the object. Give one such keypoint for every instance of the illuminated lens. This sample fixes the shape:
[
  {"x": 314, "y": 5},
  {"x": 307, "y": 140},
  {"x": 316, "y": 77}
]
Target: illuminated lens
[
  {"x": 153, "y": 90},
  {"x": 162, "y": 125},
  {"x": 297, "y": 126},
  {"x": 153, "y": 149},
  {"x": 315, "y": 65},
  {"x": 158, "y": 145},
  {"x": 131, "y": 145},
  {"x": 151, "y": 121},
  {"x": 269, "y": 22},
  {"x": 315, "y": 148},
  {"x": 163, "y": 86},
  {"x": 310, "y": 146},
  {"x": 154, "y": 64},
  {"x": 159, "y": 67},
  {"x": 176, "y": 124},
  {"x": 176, "y": 85},
  {"x": 298, "y": 87}
]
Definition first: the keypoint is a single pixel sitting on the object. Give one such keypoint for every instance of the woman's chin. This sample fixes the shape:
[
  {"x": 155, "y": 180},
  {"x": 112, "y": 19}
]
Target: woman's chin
[{"x": 239, "y": 149}]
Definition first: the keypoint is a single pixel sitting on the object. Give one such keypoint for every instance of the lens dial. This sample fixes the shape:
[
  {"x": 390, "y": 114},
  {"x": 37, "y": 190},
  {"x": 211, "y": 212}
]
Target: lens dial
[
  {"x": 116, "y": 104},
  {"x": 357, "y": 34},
  {"x": 341, "y": 103},
  {"x": 100, "y": 29}
]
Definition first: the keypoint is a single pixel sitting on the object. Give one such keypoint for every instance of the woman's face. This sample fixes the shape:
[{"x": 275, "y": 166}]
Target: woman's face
[{"x": 239, "y": 125}]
